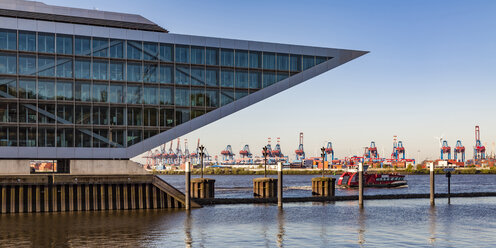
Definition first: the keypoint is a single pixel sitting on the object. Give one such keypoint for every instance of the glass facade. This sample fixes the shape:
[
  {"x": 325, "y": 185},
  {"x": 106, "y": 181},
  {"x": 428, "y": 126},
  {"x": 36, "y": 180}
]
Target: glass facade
[{"x": 79, "y": 91}]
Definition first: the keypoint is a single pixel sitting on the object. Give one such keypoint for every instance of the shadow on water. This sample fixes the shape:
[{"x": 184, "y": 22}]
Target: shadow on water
[
  {"x": 188, "y": 238},
  {"x": 432, "y": 224},
  {"x": 280, "y": 225},
  {"x": 362, "y": 218}
]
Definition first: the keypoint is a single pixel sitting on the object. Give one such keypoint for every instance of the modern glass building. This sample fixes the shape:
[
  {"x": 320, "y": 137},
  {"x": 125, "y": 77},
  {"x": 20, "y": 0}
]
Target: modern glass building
[{"x": 87, "y": 84}]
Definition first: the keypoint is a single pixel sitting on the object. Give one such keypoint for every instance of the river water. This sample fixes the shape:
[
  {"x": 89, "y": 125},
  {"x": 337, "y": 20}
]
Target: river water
[{"x": 466, "y": 222}]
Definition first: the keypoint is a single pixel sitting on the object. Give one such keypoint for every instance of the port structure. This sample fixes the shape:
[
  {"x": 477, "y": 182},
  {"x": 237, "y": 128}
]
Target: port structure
[
  {"x": 329, "y": 151},
  {"x": 445, "y": 149},
  {"x": 179, "y": 152},
  {"x": 300, "y": 153},
  {"x": 245, "y": 152},
  {"x": 277, "y": 152},
  {"x": 398, "y": 150},
  {"x": 171, "y": 155},
  {"x": 372, "y": 151},
  {"x": 227, "y": 154},
  {"x": 186, "y": 155},
  {"x": 459, "y": 149},
  {"x": 194, "y": 155},
  {"x": 479, "y": 149}
]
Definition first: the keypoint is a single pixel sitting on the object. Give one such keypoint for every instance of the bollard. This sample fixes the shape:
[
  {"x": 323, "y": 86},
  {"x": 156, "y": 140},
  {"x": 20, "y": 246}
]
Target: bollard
[
  {"x": 432, "y": 184},
  {"x": 360, "y": 185},
  {"x": 279, "y": 184},
  {"x": 187, "y": 186},
  {"x": 265, "y": 187},
  {"x": 203, "y": 188},
  {"x": 448, "y": 175}
]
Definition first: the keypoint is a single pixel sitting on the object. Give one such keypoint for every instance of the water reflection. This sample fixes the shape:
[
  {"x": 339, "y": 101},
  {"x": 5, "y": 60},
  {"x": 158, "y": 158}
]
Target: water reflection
[
  {"x": 280, "y": 225},
  {"x": 188, "y": 239},
  {"x": 361, "y": 225},
  {"x": 432, "y": 224}
]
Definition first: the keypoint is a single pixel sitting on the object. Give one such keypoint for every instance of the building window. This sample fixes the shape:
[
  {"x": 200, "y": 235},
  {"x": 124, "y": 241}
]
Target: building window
[
  {"x": 46, "y": 43},
  {"x": 166, "y": 117},
  {"x": 295, "y": 63},
  {"x": 46, "y": 113},
  {"x": 227, "y": 57},
  {"x": 182, "y": 116},
  {"x": 269, "y": 78},
  {"x": 46, "y": 137},
  {"x": 64, "y": 91},
  {"x": 281, "y": 76},
  {"x": 8, "y": 86},
  {"x": 8, "y": 39},
  {"x": 100, "y": 70},
  {"x": 319, "y": 60},
  {"x": 83, "y": 138},
  {"x": 116, "y": 93},
  {"x": 27, "y": 136},
  {"x": 117, "y": 116},
  {"x": 150, "y": 73},
  {"x": 8, "y": 136},
  {"x": 134, "y": 136},
  {"x": 83, "y": 92},
  {"x": 100, "y": 92},
  {"x": 241, "y": 58},
  {"x": 64, "y": 44},
  {"x": 197, "y": 97},
  {"x": 166, "y": 52},
  {"x": 255, "y": 80},
  {"x": 82, "y": 69},
  {"x": 65, "y": 113},
  {"x": 282, "y": 62},
  {"x": 269, "y": 61},
  {"x": 8, "y": 63},
  {"x": 150, "y": 95},
  {"x": 83, "y": 114},
  {"x": 212, "y": 77},
  {"x": 8, "y": 112},
  {"x": 226, "y": 97},
  {"x": 116, "y": 71},
  {"x": 212, "y": 56},
  {"x": 242, "y": 79},
  {"x": 227, "y": 78},
  {"x": 134, "y": 72},
  {"x": 117, "y": 138},
  {"x": 116, "y": 48},
  {"x": 150, "y": 51},
  {"x": 27, "y": 65},
  {"x": 27, "y": 89},
  {"x": 134, "y": 116},
  {"x": 46, "y": 66},
  {"x": 27, "y": 113},
  {"x": 255, "y": 60},
  {"x": 27, "y": 41},
  {"x": 212, "y": 98},
  {"x": 182, "y": 75},
  {"x": 198, "y": 55},
  {"x": 150, "y": 117},
  {"x": 165, "y": 74},
  {"x": 133, "y": 95},
  {"x": 197, "y": 76},
  {"x": 46, "y": 90},
  {"x": 100, "y": 115},
  {"x": 182, "y": 54},
  {"x": 82, "y": 46},
  {"x": 308, "y": 61},
  {"x": 181, "y": 97},
  {"x": 166, "y": 97},
  {"x": 65, "y": 137},
  {"x": 196, "y": 113},
  {"x": 134, "y": 50},
  {"x": 101, "y": 48},
  {"x": 240, "y": 94},
  {"x": 64, "y": 68}
]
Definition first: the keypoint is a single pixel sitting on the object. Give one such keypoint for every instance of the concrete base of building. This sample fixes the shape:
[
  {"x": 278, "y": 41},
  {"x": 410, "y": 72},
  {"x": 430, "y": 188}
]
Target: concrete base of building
[
  {"x": 265, "y": 187},
  {"x": 323, "y": 186},
  {"x": 76, "y": 167},
  {"x": 105, "y": 167}
]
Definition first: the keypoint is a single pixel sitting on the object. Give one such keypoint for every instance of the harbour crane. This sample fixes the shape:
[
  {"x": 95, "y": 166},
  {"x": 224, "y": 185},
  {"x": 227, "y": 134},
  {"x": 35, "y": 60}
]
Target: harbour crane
[
  {"x": 459, "y": 149},
  {"x": 445, "y": 149},
  {"x": 227, "y": 154},
  {"x": 329, "y": 151},
  {"x": 300, "y": 153},
  {"x": 479, "y": 149},
  {"x": 372, "y": 151}
]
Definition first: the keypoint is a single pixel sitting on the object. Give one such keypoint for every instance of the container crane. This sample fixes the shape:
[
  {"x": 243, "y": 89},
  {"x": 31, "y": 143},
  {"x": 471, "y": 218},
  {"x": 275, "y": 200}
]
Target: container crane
[
  {"x": 372, "y": 151},
  {"x": 445, "y": 149},
  {"x": 479, "y": 149},
  {"x": 245, "y": 153},
  {"x": 186, "y": 150},
  {"x": 194, "y": 154},
  {"x": 171, "y": 156},
  {"x": 300, "y": 153},
  {"x": 277, "y": 150},
  {"x": 400, "y": 150},
  {"x": 328, "y": 151},
  {"x": 394, "y": 154},
  {"x": 227, "y": 154},
  {"x": 179, "y": 152},
  {"x": 459, "y": 149}
]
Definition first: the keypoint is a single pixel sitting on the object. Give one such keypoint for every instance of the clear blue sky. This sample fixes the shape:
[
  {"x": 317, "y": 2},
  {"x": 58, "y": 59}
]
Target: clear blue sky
[{"x": 430, "y": 71}]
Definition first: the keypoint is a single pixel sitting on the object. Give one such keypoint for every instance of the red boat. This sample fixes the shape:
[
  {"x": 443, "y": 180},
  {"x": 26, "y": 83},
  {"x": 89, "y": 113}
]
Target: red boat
[{"x": 350, "y": 179}]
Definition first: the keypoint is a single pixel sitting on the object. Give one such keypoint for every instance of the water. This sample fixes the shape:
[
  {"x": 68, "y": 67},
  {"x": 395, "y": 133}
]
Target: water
[
  {"x": 467, "y": 222},
  {"x": 241, "y": 186}
]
